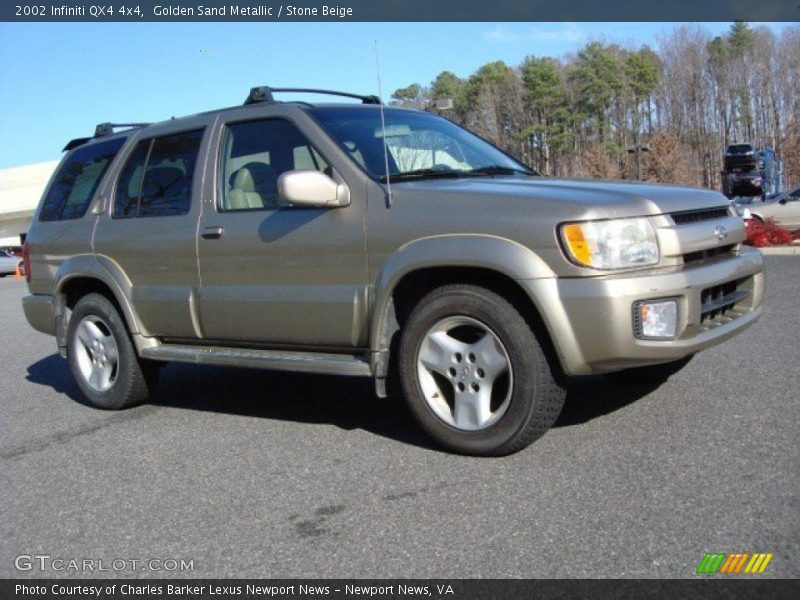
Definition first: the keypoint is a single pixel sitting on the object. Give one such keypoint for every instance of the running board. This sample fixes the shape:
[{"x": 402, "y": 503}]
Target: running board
[{"x": 305, "y": 362}]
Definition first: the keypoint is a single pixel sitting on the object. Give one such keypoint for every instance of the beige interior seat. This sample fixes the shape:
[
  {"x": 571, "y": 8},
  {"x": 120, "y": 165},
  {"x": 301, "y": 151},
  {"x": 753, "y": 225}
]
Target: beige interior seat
[{"x": 255, "y": 185}]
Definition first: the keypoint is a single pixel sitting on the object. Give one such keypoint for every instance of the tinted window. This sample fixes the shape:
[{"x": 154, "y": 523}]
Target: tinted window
[
  {"x": 129, "y": 184},
  {"x": 167, "y": 184},
  {"x": 76, "y": 181},
  {"x": 157, "y": 178},
  {"x": 739, "y": 148},
  {"x": 255, "y": 153}
]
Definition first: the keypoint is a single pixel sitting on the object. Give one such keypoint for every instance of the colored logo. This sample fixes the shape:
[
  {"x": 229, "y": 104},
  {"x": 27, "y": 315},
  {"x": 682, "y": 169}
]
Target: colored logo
[{"x": 734, "y": 563}]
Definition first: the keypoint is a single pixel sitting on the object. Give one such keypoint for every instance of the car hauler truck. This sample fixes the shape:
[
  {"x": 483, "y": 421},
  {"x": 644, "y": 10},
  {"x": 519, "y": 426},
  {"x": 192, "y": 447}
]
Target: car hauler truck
[{"x": 749, "y": 172}]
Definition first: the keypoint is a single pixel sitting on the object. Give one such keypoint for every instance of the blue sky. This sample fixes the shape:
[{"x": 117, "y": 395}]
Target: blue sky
[{"x": 57, "y": 81}]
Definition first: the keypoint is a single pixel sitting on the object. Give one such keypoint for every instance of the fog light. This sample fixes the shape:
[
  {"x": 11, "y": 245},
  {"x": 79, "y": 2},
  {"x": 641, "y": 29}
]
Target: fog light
[{"x": 656, "y": 320}]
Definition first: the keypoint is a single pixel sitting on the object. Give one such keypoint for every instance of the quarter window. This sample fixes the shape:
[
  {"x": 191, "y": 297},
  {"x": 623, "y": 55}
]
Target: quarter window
[
  {"x": 254, "y": 154},
  {"x": 129, "y": 184},
  {"x": 77, "y": 180},
  {"x": 157, "y": 178}
]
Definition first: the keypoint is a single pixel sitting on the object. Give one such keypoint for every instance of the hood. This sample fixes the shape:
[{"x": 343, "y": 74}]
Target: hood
[{"x": 577, "y": 198}]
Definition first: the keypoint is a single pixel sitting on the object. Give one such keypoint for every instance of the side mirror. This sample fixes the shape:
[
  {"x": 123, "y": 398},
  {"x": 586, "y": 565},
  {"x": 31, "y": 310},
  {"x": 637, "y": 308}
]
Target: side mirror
[
  {"x": 312, "y": 188},
  {"x": 782, "y": 201}
]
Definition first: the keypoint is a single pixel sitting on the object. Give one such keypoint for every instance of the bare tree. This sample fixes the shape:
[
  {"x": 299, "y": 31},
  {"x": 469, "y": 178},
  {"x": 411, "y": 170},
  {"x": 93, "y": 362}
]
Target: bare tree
[{"x": 595, "y": 112}]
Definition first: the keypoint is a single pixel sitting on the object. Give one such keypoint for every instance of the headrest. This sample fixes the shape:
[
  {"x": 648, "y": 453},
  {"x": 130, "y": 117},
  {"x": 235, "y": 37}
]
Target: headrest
[{"x": 254, "y": 177}]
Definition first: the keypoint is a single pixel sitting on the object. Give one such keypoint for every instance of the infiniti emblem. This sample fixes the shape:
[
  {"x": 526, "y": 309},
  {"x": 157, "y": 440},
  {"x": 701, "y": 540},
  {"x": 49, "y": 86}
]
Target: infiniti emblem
[{"x": 720, "y": 232}]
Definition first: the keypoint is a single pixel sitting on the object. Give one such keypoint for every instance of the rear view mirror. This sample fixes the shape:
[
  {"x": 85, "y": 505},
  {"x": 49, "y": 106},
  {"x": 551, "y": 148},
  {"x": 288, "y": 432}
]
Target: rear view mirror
[
  {"x": 312, "y": 188},
  {"x": 393, "y": 131}
]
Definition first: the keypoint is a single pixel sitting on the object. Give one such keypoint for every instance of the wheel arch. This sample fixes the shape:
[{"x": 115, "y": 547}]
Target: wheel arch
[
  {"x": 84, "y": 274},
  {"x": 420, "y": 266}
]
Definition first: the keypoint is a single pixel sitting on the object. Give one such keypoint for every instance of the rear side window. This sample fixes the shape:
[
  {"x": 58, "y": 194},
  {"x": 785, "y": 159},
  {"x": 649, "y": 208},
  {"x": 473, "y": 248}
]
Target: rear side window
[
  {"x": 76, "y": 181},
  {"x": 157, "y": 178}
]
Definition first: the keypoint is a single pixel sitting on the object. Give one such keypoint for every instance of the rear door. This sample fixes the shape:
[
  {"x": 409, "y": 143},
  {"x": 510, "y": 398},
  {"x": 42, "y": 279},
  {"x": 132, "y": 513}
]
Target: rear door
[
  {"x": 149, "y": 234},
  {"x": 272, "y": 273}
]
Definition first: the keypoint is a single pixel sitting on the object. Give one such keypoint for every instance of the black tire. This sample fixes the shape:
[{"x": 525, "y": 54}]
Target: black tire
[
  {"x": 651, "y": 374},
  {"x": 536, "y": 398},
  {"x": 133, "y": 379}
]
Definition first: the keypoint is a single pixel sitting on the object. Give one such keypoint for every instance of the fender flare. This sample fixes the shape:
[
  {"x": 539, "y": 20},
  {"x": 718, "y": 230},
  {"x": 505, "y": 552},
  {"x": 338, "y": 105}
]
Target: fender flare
[
  {"x": 90, "y": 266},
  {"x": 493, "y": 253}
]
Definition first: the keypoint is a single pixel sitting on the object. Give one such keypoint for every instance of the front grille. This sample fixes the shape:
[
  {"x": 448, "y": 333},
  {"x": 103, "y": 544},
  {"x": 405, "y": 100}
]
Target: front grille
[
  {"x": 718, "y": 304},
  {"x": 694, "y": 216},
  {"x": 691, "y": 257}
]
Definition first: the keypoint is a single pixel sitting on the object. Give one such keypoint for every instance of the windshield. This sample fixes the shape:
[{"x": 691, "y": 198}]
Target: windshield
[
  {"x": 740, "y": 149},
  {"x": 420, "y": 145}
]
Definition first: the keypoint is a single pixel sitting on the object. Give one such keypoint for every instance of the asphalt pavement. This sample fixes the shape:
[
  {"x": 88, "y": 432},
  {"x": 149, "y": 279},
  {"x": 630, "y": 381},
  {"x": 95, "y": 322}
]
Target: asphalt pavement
[{"x": 260, "y": 474}]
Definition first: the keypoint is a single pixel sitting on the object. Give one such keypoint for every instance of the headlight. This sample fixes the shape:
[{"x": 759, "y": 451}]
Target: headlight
[{"x": 612, "y": 244}]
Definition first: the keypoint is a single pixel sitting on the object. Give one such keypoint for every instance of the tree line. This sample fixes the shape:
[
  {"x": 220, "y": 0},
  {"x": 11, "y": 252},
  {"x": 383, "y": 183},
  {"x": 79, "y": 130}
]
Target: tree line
[{"x": 661, "y": 115}]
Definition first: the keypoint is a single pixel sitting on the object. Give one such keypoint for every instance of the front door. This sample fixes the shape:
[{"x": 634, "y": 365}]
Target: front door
[{"x": 271, "y": 273}]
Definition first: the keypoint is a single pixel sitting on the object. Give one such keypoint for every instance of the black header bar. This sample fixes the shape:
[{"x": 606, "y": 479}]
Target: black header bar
[{"x": 394, "y": 10}]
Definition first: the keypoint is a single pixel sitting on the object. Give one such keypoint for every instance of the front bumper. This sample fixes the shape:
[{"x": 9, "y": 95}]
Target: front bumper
[{"x": 590, "y": 319}]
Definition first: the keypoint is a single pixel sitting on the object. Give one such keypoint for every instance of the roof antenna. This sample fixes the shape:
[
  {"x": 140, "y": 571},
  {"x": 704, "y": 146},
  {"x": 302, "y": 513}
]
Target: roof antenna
[{"x": 383, "y": 128}]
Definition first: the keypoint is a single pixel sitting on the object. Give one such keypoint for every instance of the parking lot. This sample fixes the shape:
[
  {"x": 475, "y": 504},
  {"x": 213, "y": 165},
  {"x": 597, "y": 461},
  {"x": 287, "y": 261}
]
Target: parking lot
[{"x": 260, "y": 474}]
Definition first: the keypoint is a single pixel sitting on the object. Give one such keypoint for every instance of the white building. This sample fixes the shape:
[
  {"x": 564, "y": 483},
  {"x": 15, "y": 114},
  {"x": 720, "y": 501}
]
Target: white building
[{"x": 20, "y": 191}]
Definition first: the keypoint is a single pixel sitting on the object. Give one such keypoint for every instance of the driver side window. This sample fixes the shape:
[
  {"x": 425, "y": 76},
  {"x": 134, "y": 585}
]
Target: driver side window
[{"x": 254, "y": 155}]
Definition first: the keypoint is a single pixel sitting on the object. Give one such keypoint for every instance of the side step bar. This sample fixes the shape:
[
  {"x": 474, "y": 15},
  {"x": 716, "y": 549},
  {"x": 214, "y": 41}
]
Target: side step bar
[{"x": 305, "y": 362}]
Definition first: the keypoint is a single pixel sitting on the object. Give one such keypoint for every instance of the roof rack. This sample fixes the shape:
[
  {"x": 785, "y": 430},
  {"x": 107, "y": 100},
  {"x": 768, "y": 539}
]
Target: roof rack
[
  {"x": 264, "y": 94},
  {"x": 104, "y": 129}
]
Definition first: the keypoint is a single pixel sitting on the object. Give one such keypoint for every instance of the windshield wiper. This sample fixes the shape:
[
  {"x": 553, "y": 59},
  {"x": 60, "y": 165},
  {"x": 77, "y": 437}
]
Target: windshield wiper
[
  {"x": 498, "y": 170},
  {"x": 423, "y": 174},
  {"x": 449, "y": 174}
]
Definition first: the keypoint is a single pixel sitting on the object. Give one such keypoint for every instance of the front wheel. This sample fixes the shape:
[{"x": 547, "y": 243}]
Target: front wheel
[
  {"x": 102, "y": 358},
  {"x": 474, "y": 373}
]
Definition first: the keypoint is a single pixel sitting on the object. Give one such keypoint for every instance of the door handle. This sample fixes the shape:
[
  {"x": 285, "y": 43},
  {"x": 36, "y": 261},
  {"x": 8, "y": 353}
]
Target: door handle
[{"x": 213, "y": 233}]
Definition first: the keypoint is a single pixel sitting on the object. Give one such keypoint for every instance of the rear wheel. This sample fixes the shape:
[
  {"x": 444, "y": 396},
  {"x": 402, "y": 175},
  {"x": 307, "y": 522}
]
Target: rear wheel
[
  {"x": 474, "y": 374},
  {"x": 102, "y": 357}
]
